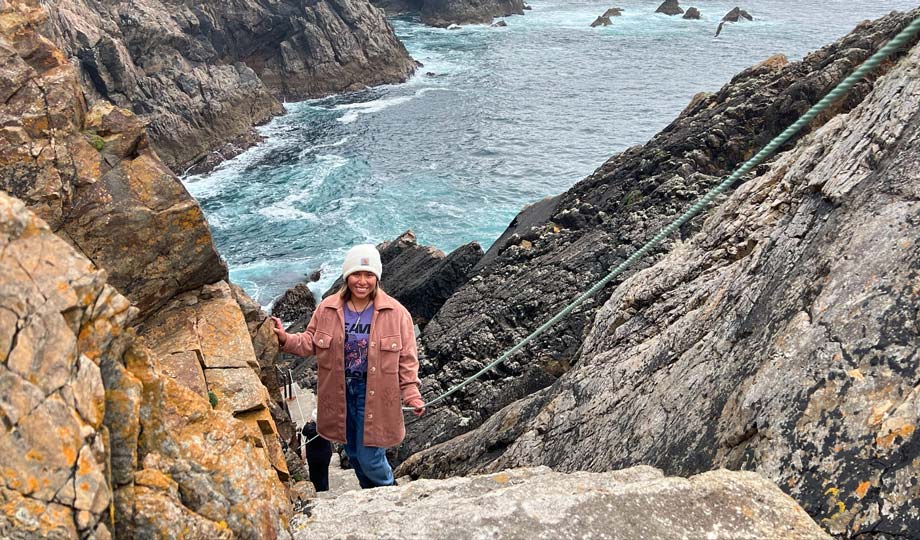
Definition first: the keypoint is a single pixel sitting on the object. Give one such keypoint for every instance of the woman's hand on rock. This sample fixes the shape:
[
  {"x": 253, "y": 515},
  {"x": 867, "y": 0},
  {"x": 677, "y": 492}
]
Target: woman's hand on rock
[
  {"x": 279, "y": 330},
  {"x": 418, "y": 405}
]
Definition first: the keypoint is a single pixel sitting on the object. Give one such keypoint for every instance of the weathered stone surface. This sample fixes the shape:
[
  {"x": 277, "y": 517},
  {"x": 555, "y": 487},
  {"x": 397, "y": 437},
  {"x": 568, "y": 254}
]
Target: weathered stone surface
[
  {"x": 295, "y": 304},
  {"x": 56, "y": 304},
  {"x": 780, "y": 338},
  {"x": 422, "y": 278},
  {"x": 122, "y": 418},
  {"x": 185, "y": 368},
  {"x": 237, "y": 389},
  {"x": 601, "y": 21},
  {"x": 207, "y": 322},
  {"x": 669, "y": 7},
  {"x": 157, "y": 513},
  {"x": 444, "y": 13},
  {"x": 692, "y": 14},
  {"x": 632, "y": 504},
  {"x": 204, "y": 73},
  {"x": 576, "y": 238},
  {"x": 91, "y": 175},
  {"x": 218, "y": 462}
]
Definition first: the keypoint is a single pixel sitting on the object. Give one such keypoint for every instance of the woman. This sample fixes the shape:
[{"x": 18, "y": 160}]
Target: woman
[{"x": 366, "y": 366}]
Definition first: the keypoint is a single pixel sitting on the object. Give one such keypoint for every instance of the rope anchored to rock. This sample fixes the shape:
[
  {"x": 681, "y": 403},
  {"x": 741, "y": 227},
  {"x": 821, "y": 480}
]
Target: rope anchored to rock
[{"x": 871, "y": 63}]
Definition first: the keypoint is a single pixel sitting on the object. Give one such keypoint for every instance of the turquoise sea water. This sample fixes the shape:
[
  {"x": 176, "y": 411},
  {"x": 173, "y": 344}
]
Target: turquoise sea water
[{"x": 497, "y": 118}]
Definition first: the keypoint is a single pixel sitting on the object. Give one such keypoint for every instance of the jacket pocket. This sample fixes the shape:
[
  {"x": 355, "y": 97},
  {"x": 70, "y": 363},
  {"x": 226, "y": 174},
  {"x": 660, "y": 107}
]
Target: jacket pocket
[
  {"x": 390, "y": 346},
  {"x": 322, "y": 346}
]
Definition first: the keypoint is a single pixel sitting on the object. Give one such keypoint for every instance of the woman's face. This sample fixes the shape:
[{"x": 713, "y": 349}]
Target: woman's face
[{"x": 361, "y": 284}]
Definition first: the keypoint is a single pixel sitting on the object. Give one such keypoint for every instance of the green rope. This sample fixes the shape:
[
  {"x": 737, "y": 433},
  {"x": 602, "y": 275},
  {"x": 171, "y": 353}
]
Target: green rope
[{"x": 777, "y": 141}]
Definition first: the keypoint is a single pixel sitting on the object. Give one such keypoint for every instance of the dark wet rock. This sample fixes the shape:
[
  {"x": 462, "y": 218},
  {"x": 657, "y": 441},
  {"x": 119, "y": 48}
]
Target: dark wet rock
[
  {"x": 527, "y": 7},
  {"x": 422, "y": 278},
  {"x": 499, "y": 24},
  {"x": 601, "y": 21},
  {"x": 314, "y": 276},
  {"x": 202, "y": 74},
  {"x": 692, "y": 13},
  {"x": 735, "y": 15},
  {"x": 296, "y": 303},
  {"x": 556, "y": 249},
  {"x": 613, "y": 12},
  {"x": 669, "y": 7},
  {"x": 780, "y": 338}
]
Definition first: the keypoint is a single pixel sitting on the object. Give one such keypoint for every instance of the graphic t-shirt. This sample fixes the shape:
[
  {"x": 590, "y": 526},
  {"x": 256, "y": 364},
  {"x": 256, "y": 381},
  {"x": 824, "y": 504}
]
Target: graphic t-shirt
[{"x": 357, "y": 332}]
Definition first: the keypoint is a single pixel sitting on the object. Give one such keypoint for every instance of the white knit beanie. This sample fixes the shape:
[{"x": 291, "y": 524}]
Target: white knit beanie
[{"x": 362, "y": 257}]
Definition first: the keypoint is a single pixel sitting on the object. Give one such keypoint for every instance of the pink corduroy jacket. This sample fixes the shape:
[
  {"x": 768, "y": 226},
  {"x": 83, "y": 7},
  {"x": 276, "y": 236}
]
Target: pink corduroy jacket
[{"x": 392, "y": 368}]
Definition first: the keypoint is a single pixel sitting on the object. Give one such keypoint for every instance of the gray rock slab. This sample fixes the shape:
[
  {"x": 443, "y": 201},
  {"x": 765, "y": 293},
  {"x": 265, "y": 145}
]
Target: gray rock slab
[{"x": 632, "y": 504}]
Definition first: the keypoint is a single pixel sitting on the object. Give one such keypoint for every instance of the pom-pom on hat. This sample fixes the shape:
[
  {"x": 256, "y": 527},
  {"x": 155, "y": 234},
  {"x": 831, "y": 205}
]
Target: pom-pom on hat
[{"x": 363, "y": 257}]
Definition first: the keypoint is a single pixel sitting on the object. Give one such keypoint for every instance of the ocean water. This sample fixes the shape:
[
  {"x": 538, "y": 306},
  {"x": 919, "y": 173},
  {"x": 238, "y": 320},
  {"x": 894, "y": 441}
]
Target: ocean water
[{"x": 496, "y": 119}]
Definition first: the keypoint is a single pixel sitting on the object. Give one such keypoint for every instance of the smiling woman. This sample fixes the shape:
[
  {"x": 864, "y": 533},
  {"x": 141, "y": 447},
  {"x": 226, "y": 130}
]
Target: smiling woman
[{"x": 366, "y": 362}]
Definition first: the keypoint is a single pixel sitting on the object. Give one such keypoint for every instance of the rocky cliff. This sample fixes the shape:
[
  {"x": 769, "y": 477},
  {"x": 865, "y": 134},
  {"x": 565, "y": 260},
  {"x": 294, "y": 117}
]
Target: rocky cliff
[
  {"x": 140, "y": 415},
  {"x": 781, "y": 337},
  {"x": 444, "y": 13},
  {"x": 558, "y": 247},
  {"x": 202, "y": 74}
]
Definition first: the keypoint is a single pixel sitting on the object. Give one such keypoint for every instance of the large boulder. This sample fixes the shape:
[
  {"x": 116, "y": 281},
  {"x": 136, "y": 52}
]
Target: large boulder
[
  {"x": 632, "y": 504},
  {"x": 204, "y": 73},
  {"x": 296, "y": 304},
  {"x": 692, "y": 14},
  {"x": 92, "y": 176},
  {"x": 559, "y": 247},
  {"x": 780, "y": 338},
  {"x": 669, "y": 7}
]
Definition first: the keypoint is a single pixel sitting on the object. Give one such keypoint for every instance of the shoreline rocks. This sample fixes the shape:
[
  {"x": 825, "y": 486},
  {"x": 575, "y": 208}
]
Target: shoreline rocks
[
  {"x": 670, "y": 7},
  {"x": 204, "y": 74}
]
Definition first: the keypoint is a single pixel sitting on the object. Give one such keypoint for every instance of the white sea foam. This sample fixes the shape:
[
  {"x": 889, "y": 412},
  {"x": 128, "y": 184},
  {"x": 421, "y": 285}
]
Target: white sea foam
[{"x": 311, "y": 178}]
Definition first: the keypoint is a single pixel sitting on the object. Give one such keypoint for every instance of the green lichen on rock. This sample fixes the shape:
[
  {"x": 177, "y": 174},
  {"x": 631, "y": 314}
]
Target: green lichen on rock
[{"x": 212, "y": 397}]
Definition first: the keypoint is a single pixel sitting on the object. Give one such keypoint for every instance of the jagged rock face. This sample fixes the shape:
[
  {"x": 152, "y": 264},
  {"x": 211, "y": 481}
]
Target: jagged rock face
[
  {"x": 632, "y": 504},
  {"x": 58, "y": 322},
  {"x": 782, "y": 338},
  {"x": 92, "y": 175},
  {"x": 692, "y": 14},
  {"x": 295, "y": 304},
  {"x": 444, "y": 13},
  {"x": 602, "y": 20},
  {"x": 669, "y": 7},
  {"x": 559, "y": 247},
  {"x": 205, "y": 73}
]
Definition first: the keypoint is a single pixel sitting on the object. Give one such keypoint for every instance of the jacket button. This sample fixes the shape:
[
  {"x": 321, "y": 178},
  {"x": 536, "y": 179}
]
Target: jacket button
[
  {"x": 373, "y": 343},
  {"x": 395, "y": 346},
  {"x": 373, "y": 369},
  {"x": 321, "y": 342},
  {"x": 371, "y": 393},
  {"x": 370, "y": 416}
]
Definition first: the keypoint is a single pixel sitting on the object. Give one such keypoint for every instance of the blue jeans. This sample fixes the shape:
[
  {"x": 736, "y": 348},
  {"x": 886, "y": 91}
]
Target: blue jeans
[{"x": 370, "y": 463}]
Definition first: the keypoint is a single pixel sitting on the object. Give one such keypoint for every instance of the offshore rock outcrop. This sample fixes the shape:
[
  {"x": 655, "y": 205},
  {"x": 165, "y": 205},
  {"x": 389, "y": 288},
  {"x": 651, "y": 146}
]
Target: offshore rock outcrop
[
  {"x": 109, "y": 437},
  {"x": 202, "y": 74},
  {"x": 443, "y": 13},
  {"x": 559, "y": 247},
  {"x": 782, "y": 338},
  {"x": 633, "y": 504}
]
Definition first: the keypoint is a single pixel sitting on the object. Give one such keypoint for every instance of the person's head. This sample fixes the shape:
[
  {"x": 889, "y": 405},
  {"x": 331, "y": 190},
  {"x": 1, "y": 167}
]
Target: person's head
[{"x": 361, "y": 272}]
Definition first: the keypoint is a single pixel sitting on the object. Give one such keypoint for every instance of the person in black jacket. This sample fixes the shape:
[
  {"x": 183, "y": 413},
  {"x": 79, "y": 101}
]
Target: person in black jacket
[{"x": 319, "y": 452}]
